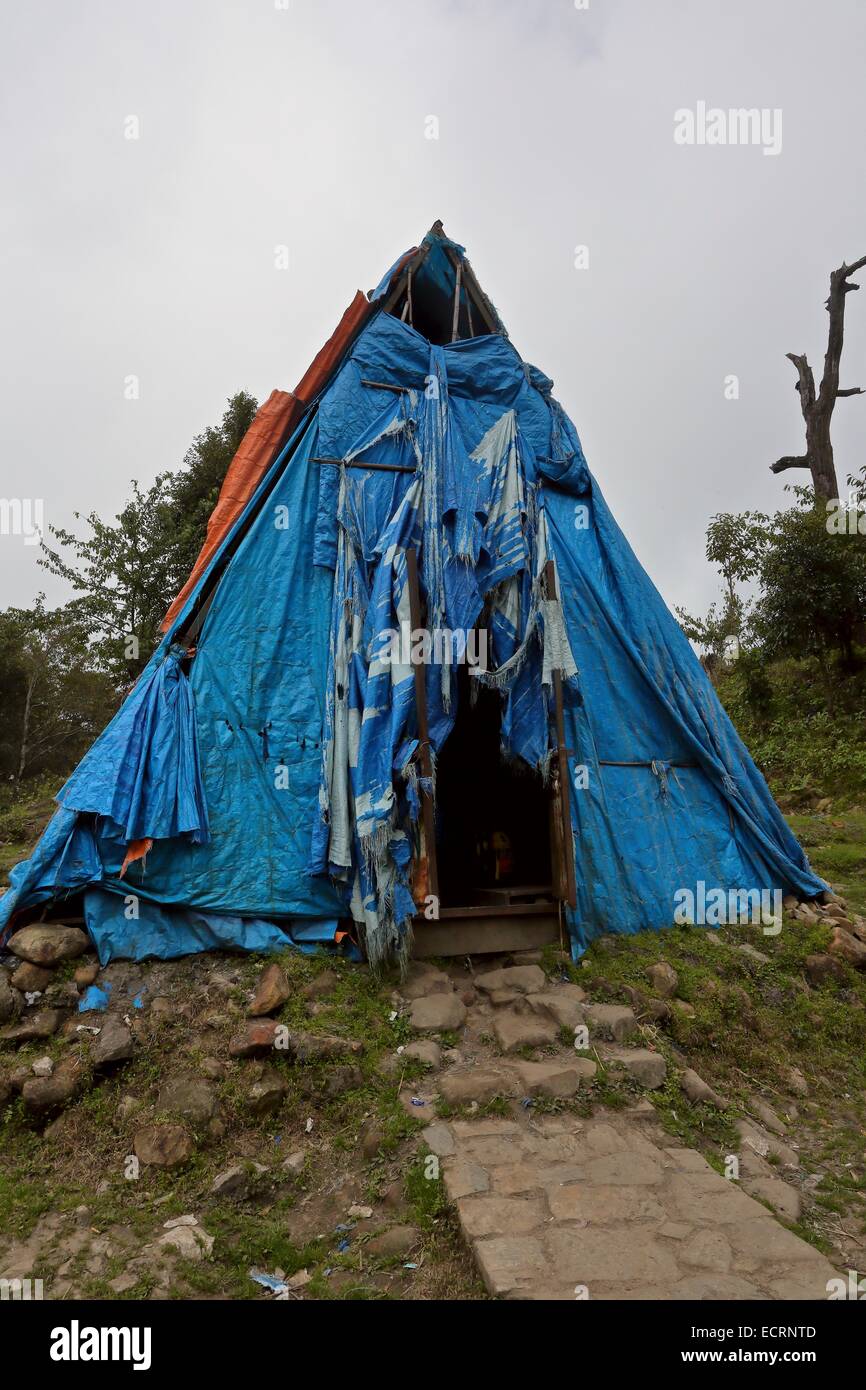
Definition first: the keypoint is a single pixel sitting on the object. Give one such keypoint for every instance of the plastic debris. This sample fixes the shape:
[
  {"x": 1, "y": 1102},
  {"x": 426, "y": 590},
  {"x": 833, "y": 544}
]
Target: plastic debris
[
  {"x": 343, "y": 1246},
  {"x": 410, "y": 1265},
  {"x": 87, "y": 1028},
  {"x": 94, "y": 999},
  {"x": 527, "y": 1102},
  {"x": 309, "y": 1126},
  {"x": 393, "y": 1016},
  {"x": 269, "y": 1281},
  {"x": 416, "y": 1100}
]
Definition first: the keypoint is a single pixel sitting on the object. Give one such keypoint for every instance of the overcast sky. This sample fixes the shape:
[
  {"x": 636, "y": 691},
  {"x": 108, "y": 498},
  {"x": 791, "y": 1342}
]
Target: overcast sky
[{"x": 305, "y": 124}]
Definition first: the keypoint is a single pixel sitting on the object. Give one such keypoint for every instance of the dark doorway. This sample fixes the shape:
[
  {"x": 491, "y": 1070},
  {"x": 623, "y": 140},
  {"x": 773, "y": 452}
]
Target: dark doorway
[{"x": 492, "y": 813}]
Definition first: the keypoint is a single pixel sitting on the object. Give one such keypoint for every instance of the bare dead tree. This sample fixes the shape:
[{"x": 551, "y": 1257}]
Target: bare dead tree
[{"x": 818, "y": 408}]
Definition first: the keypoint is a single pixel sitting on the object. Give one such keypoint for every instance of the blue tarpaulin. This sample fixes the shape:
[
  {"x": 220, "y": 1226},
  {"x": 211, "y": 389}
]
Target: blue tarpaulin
[{"x": 277, "y": 769}]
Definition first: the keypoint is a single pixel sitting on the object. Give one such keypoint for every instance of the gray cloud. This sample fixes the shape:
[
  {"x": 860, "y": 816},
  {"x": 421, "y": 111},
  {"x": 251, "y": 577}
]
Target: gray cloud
[{"x": 306, "y": 127}]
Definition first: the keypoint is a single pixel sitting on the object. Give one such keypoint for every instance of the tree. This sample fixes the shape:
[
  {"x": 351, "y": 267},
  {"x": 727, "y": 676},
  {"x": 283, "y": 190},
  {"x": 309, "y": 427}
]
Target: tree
[
  {"x": 54, "y": 703},
  {"x": 194, "y": 489},
  {"x": 127, "y": 572},
  {"x": 735, "y": 544},
  {"x": 123, "y": 575},
  {"x": 817, "y": 408},
  {"x": 813, "y": 587}
]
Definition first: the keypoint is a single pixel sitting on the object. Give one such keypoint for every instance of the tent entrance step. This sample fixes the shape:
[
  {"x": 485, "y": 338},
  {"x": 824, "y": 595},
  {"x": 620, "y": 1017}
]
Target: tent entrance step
[
  {"x": 522, "y": 893},
  {"x": 485, "y": 931}
]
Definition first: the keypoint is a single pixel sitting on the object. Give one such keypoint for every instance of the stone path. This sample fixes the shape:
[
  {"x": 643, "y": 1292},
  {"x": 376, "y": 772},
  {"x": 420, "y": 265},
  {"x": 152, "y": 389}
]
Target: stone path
[{"x": 559, "y": 1206}]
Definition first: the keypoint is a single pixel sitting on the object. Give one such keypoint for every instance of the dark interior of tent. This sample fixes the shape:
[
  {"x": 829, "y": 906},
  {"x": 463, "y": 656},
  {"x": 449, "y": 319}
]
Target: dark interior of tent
[{"x": 492, "y": 812}]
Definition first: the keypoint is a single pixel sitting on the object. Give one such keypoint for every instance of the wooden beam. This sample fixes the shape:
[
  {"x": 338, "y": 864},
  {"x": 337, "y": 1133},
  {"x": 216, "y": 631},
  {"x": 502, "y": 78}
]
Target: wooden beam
[
  {"x": 455, "y": 320},
  {"x": 466, "y": 936},
  {"x": 562, "y": 759},
  {"x": 427, "y": 812},
  {"x": 377, "y": 467}
]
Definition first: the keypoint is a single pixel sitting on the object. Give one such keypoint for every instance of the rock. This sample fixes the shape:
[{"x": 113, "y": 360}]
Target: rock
[
  {"x": 10, "y": 999},
  {"x": 423, "y": 979},
  {"x": 797, "y": 1082},
  {"x": 513, "y": 1030},
  {"x": 127, "y": 1107},
  {"x": 371, "y": 1137},
  {"x": 272, "y": 991},
  {"x": 501, "y": 998},
  {"x": 335, "y": 1081},
  {"x": 613, "y": 1021},
  {"x": 664, "y": 979},
  {"x": 565, "y": 1011},
  {"x": 847, "y": 948},
  {"x": 213, "y": 1068},
  {"x": 264, "y": 1035},
  {"x": 823, "y": 804},
  {"x": 525, "y": 979},
  {"x": 479, "y": 1084},
  {"x": 43, "y": 1094},
  {"x": 746, "y": 950},
  {"x": 427, "y": 1052},
  {"x": 766, "y": 1114},
  {"x": 439, "y": 1140},
  {"x": 790, "y": 902},
  {"x": 766, "y": 1145},
  {"x": 32, "y": 1029},
  {"x": 189, "y": 1096},
  {"x": 266, "y": 1093},
  {"x": 318, "y": 1047},
  {"x": 322, "y": 984},
  {"x": 86, "y": 974},
  {"x": 398, "y": 1241},
  {"x": 782, "y": 1197},
  {"x": 114, "y": 1044},
  {"x": 294, "y": 1164},
  {"x": 162, "y": 1146},
  {"x": 465, "y": 1179},
  {"x": 62, "y": 994},
  {"x": 32, "y": 979},
  {"x": 236, "y": 1181},
  {"x": 260, "y": 1036},
  {"x": 556, "y": 1079},
  {"x": 647, "y": 1068},
  {"x": 123, "y": 1283},
  {"x": 698, "y": 1092},
  {"x": 189, "y": 1240},
  {"x": 806, "y": 913},
  {"x": 438, "y": 1013},
  {"x": 43, "y": 1066},
  {"x": 822, "y": 970},
  {"x": 48, "y": 945}
]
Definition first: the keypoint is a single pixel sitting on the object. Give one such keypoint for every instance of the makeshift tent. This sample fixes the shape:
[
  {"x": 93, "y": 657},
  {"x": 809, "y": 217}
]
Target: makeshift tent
[{"x": 286, "y": 770}]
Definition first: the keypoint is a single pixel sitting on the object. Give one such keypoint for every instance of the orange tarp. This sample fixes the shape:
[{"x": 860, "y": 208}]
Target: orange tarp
[{"x": 271, "y": 427}]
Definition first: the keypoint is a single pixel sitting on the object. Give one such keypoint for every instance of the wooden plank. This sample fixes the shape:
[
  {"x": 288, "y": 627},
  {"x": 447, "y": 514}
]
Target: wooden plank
[
  {"x": 562, "y": 760},
  {"x": 481, "y": 910},
  {"x": 390, "y": 386},
  {"x": 377, "y": 467},
  {"x": 471, "y": 937},
  {"x": 427, "y": 815},
  {"x": 455, "y": 321}
]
